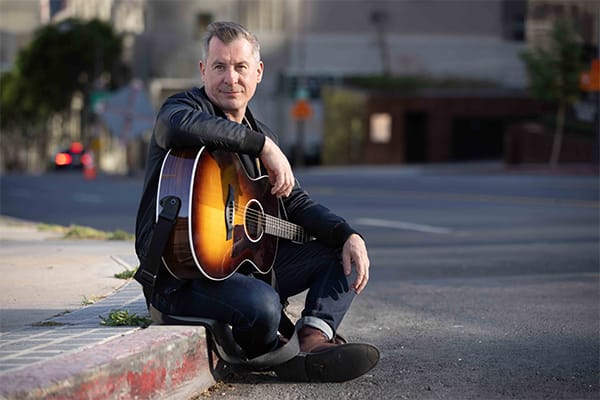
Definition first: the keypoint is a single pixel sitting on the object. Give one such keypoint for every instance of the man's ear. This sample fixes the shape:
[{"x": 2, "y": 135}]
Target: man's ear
[
  {"x": 201, "y": 68},
  {"x": 260, "y": 70}
]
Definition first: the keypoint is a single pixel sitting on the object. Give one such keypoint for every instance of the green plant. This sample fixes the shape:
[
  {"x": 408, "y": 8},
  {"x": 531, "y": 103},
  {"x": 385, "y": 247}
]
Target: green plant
[
  {"x": 120, "y": 234},
  {"x": 124, "y": 318},
  {"x": 554, "y": 71},
  {"x": 85, "y": 232},
  {"x": 343, "y": 126},
  {"x": 126, "y": 274},
  {"x": 62, "y": 60},
  {"x": 51, "y": 228},
  {"x": 86, "y": 301}
]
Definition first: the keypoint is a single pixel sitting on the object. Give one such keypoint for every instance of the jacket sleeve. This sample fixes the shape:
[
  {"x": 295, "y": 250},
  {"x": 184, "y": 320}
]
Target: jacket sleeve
[
  {"x": 187, "y": 120},
  {"x": 317, "y": 219}
]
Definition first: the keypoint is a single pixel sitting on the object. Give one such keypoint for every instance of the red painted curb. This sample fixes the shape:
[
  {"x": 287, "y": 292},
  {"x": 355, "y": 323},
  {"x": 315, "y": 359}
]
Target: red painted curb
[{"x": 152, "y": 363}]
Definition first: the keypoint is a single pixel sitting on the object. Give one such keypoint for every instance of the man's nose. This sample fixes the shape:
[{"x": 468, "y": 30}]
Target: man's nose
[{"x": 231, "y": 76}]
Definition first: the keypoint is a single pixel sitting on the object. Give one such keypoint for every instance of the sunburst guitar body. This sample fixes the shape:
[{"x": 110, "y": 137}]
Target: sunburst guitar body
[{"x": 227, "y": 218}]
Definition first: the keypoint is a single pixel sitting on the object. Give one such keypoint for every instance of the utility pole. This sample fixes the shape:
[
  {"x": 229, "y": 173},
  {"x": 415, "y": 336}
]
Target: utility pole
[{"x": 378, "y": 18}]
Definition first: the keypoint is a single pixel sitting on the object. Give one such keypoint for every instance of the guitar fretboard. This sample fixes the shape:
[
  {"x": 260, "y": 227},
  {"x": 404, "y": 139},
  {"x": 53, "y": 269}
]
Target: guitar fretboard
[{"x": 285, "y": 229}]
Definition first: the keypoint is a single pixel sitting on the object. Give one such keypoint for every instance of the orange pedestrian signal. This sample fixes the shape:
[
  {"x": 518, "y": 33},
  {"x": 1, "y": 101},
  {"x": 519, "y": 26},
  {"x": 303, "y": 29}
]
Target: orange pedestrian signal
[
  {"x": 302, "y": 110},
  {"x": 590, "y": 80}
]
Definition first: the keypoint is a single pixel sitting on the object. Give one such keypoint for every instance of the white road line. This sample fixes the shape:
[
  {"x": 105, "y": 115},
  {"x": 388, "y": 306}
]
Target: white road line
[{"x": 403, "y": 225}]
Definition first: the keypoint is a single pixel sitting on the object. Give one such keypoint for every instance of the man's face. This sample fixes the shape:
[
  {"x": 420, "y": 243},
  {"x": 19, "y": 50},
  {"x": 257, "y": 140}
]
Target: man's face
[{"x": 230, "y": 74}]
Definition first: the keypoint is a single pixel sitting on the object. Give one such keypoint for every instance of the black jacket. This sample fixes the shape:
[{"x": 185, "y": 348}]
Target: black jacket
[{"x": 189, "y": 119}]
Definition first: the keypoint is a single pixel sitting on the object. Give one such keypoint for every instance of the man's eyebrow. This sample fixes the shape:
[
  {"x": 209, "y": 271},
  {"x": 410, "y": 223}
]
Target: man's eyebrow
[{"x": 221, "y": 62}]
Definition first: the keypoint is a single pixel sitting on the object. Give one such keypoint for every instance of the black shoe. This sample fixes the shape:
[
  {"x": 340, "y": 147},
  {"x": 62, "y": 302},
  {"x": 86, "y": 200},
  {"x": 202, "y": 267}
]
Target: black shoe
[{"x": 339, "y": 363}]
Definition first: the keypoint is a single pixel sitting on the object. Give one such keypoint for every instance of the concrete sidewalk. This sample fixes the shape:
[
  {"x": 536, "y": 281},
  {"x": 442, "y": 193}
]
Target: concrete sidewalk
[{"x": 72, "y": 355}]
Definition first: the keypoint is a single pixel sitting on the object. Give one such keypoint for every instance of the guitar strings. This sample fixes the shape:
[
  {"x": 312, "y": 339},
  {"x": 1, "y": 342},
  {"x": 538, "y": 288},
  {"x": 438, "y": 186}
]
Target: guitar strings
[
  {"x": 274, "y": 225},
  {"x": 279, "y": 227}
]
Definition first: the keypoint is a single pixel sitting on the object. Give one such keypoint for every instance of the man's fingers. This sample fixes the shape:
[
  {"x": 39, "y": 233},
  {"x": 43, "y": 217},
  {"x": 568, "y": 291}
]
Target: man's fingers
[
  {"x": 282, "y": 185},
  {"x": 280, "y": 188},
  {"x": 346, "y": 263},
  {"x": 361, "y": 281},
  {"x": 275, "y": 182},
  {"x": 362, "y": 275},
  {"x": 355, "y": 252}
]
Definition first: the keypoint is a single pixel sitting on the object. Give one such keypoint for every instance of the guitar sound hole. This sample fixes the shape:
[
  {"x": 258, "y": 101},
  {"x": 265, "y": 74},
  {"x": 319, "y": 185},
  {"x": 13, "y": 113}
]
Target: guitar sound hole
[{"x": 254, "y": 220}]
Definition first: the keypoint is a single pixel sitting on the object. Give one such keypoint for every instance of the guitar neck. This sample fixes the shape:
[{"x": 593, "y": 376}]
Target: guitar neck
[{"x": 284, "y": 229}]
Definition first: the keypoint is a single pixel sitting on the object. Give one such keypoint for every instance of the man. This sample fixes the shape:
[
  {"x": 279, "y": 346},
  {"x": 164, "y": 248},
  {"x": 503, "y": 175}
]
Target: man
[{"x": 333, "y": 268}]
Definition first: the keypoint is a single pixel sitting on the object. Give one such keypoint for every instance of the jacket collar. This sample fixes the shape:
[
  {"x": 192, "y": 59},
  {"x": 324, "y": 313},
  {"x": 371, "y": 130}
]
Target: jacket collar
[{"x": 218, "y": 112}]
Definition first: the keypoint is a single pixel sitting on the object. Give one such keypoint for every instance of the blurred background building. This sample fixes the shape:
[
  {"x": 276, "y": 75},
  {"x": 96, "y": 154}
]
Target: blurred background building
[{"x": 462, "y": 56}]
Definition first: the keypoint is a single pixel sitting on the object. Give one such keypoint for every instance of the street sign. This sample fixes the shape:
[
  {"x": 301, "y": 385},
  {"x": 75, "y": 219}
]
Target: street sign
[
  {"x": 301, "y": 110},
  {"x": 590, "y": 80}
]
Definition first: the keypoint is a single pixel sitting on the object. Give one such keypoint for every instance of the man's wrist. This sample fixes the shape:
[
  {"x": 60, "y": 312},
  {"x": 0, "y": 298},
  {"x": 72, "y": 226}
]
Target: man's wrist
[
  {"x": 342, "y": 232},
  {"x": 254, "y": 143}
]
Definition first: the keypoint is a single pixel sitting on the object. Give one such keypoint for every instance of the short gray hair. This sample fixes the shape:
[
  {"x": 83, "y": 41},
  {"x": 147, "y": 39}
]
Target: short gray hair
[{"x": 227, "y": 32}]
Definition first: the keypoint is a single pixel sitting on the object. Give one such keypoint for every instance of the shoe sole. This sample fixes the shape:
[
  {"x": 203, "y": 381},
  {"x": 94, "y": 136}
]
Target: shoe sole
[{"x": 338, "y": 364}]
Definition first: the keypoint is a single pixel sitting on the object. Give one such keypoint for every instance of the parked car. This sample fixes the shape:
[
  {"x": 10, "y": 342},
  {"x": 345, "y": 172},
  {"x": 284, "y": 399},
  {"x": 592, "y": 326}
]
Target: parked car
[{"x": 74, "y": 157}]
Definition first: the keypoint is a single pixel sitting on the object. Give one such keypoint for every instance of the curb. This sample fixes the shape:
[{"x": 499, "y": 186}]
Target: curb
[
  {"x": 156, "y": 362},
  {"x": 74, "y": 357}
]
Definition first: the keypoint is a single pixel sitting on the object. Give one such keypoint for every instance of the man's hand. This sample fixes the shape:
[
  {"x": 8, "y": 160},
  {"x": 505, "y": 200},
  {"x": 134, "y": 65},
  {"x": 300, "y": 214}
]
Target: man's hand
[
  {"x": 355, "y": 252},
  {"x": 279, "y": 169}
]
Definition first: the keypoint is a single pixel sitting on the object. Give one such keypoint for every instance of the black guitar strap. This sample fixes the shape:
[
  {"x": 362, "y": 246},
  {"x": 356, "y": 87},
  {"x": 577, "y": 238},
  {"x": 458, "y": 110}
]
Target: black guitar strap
[{"x": 148, "y": 270}]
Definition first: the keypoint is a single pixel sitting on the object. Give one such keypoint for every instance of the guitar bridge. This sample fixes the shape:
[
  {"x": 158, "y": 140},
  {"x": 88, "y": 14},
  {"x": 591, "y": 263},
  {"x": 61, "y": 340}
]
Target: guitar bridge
[{"x": 229, "y": 212}]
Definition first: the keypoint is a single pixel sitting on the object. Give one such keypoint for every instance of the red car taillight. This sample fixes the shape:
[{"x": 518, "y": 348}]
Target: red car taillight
[
  {"x": 86, "y": 159},
  {"x": 63, "y": 159}
]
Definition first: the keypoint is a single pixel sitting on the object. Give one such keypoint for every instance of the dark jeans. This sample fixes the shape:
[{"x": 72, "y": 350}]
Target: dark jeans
[{"x": 253, "y": 308}]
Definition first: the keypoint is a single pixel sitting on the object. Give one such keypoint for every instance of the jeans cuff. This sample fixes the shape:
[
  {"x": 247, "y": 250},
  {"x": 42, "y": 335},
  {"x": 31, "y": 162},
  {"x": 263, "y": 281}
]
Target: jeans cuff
[{"x": 319, "y": 324}]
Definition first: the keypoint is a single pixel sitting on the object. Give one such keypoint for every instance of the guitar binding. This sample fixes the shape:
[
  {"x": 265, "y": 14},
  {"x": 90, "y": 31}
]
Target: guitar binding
[{"x": 254, "y": 220}]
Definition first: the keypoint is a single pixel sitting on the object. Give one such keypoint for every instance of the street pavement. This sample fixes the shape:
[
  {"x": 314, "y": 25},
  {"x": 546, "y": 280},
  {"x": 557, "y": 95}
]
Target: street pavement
[
  {"x": 492, "y": 292},
  {"x": 44, "y": 275}
]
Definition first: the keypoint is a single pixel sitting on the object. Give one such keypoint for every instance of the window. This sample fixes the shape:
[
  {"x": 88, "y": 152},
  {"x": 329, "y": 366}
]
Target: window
[{"x": 380, "y": 128}]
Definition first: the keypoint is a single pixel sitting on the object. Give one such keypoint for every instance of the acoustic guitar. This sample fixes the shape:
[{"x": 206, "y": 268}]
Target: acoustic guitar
[{"x": 227, "y": 219}]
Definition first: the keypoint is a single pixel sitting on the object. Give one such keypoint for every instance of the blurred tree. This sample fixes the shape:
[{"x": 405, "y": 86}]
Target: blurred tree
[
  {"x": 554, "y": 70},
  {"x": 62, "y": 60},
  {"x": 343, "y": 126},
  {"x": 18, "y": 122},
  {"x": 73, "y": 56}
]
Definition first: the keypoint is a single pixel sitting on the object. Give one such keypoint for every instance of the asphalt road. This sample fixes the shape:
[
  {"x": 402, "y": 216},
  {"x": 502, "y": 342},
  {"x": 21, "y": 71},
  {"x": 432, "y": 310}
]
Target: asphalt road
[
  {"x": 484, "y": 284},
  {"x": 107, "y": 203}
]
